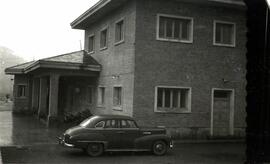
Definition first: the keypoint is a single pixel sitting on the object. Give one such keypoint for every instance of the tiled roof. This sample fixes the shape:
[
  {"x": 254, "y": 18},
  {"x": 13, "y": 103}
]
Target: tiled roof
[
  {"x": 22, "y": 66},
  {"x": 79, "y": 57},
  {"x": 71, "y": 60}
]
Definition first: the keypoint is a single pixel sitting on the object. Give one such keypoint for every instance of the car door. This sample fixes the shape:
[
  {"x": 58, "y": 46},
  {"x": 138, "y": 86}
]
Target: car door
[
  {"x": 112, "y": 133},
  {"x": 129, "y": 133}
]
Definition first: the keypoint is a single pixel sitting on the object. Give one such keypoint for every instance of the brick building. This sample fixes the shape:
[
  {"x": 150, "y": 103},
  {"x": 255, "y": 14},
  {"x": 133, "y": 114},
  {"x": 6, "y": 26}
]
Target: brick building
[{"x": 176, "y": 63}]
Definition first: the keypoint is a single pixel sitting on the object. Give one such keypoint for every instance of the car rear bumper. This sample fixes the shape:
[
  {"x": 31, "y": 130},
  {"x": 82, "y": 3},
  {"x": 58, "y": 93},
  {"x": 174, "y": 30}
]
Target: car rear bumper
[{"x": 62, "y": 142}]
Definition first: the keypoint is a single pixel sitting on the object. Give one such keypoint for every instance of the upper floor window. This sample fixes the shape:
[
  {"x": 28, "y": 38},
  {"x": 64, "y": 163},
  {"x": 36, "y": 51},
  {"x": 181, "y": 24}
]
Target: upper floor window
[
  {"x": 119, "y": 31},
  {"x": 103, "y": 39},
  {"x": 21, "y": 91},
  {"x": 101, "y": 96},
  {"x": 224, "y": 33},
  {"x": 174, "y": 28},
  {"x": 91, "y": 43},
  {"x": 117, "y": 97},
  {"x": 173, "y": 99}
]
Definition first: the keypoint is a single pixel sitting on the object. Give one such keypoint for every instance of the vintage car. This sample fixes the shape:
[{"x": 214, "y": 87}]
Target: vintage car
[{"x": 115, "y": 133}]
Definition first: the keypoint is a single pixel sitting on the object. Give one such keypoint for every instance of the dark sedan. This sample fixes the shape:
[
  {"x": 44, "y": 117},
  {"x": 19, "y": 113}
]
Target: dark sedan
[{"x": 115, "y": 133}]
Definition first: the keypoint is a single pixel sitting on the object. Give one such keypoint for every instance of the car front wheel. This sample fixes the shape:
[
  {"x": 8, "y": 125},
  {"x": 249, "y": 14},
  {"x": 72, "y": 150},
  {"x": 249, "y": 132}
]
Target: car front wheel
[
  {"x": 94, "y": 149},
  {"x": 159, "y": 148}
]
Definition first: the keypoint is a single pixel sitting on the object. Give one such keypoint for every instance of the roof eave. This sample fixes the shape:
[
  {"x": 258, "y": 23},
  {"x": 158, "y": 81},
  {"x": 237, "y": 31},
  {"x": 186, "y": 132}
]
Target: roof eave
[
  {"x": 62, "y": 65},
  {"x": 76, "y": 23},
  {"x": 10, "y": 71}
]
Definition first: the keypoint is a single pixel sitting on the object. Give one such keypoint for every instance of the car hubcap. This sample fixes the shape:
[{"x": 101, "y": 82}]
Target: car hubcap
[{"x": 159, "y": 147}]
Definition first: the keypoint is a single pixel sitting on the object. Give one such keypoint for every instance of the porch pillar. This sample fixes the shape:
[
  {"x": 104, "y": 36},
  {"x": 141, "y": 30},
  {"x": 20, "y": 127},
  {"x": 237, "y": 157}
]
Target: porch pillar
[
  {"x": 53, "y": 99},
  {"x": 42, "y": 97},
  {"x": 35, "y": 95}
]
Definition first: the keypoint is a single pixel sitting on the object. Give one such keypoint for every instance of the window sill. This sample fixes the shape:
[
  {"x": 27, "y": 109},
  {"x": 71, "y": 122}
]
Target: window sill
[
  {"x": 224, "y": 45},
  {"x": 92, "y": 52},
  {"x": 103, "y": 48},
  {"x": 118, "y": 108},
  {"x": 175, "y": 40},
  {"x": 119, "y": 42},
  {"x": 173, "y": 112}
]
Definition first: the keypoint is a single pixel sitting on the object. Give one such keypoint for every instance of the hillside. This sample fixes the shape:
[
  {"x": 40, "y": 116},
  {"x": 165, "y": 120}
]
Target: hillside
[{"x": 7, "y": 59}]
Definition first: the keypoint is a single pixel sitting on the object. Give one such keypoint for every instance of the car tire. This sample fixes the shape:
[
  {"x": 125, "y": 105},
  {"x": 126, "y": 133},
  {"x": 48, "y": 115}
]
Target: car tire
[
  {"x": 94, "y": 149},
  {"x": 159, "y": 148}
]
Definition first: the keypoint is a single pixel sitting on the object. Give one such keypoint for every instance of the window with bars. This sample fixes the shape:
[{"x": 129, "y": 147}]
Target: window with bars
[
  {"x": 173, "y": 28},
  {"x": 119, "y": 31},
  {"x": 21, "y": 91},
  {"x": 103, "y": 38},
  {"x": 224, "y": 33},
  {"x": 173, "y": 99},
  {"x": 91, "y": 44},
  {"x": 101, "y": 96},
  {"x": 117, "y": 96}
]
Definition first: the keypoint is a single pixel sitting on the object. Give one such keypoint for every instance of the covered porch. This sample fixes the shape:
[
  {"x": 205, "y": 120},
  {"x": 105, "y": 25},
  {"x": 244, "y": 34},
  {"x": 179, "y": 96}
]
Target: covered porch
[{"x": 58, "y": 85}]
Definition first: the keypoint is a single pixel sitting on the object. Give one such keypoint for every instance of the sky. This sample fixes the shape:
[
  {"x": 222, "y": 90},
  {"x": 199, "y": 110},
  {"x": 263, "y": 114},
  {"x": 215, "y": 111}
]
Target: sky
[{"x": 36, "y": 29}]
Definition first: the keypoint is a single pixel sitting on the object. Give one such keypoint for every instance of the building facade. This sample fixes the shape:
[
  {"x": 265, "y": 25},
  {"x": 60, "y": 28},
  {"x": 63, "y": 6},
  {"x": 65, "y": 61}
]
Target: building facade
[{"x": 176, "y": 64}]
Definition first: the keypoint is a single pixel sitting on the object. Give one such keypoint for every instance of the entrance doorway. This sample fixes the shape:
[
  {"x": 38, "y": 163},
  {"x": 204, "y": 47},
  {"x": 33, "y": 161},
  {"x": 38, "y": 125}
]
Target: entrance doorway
[{"x": 222, "y": 112}]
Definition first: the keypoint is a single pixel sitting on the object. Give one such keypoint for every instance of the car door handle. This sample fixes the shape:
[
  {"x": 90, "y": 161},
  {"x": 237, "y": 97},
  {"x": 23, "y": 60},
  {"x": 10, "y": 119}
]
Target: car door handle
[{"x": 120, "y": 132}]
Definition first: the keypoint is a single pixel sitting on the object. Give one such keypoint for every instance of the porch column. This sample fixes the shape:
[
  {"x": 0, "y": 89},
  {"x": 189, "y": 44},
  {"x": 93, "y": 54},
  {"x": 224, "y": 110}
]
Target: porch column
[
  {"x": 42, "y": 97},
  {"x": 35, "y": 95},
  {"x": 53, "y": 99}
]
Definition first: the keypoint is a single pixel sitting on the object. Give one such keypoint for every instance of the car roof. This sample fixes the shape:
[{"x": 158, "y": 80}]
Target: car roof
[{"x": 114, "y": 117}]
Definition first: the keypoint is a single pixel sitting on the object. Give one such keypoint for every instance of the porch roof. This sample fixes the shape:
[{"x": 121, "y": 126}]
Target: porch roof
[{"x": 78, "y": 60}]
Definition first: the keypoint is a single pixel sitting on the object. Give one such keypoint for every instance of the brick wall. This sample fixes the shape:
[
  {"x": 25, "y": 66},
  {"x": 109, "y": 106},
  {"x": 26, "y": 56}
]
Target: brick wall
[
  {"x": 117, "y": 60},
  {"x": 199, "y": 65}
]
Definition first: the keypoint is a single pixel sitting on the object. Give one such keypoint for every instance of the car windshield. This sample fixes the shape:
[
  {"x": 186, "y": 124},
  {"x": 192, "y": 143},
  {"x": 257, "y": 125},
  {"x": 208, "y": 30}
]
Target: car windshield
[{"x": 86, "y": 122}]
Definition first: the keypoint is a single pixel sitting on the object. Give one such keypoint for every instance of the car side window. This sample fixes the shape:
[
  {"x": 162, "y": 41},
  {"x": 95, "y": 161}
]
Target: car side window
[
  {"x": 100, "y": 124},
  {"x": 132, "y": 124},
  {"x": 111, "y": 124},
  {"x": 128, "y": 124},
  {"x": 124, "y": 124}
]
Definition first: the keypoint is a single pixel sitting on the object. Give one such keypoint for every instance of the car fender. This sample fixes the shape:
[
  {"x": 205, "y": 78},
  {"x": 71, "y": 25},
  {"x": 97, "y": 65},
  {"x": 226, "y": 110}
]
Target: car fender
[
  {"x": 147, "y": 141},
  {"x": 82, "y": 140}
]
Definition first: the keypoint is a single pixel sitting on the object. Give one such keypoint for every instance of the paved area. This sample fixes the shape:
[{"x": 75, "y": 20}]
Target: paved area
[{"x": 23, "y": 139}]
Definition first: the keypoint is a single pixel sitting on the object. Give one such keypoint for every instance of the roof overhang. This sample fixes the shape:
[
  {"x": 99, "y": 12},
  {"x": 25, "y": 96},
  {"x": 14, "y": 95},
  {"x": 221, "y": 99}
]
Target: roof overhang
[
  {"x": 52, "y": 65},
  {"x": 61, "y": 65},
  {"x": 104, "y": 7},
  {"x": 95, "y": 12}
]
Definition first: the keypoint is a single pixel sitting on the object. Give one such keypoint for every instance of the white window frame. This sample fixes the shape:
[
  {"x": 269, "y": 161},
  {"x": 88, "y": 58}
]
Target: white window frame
[
  {"x": 123, "y": 32},
  {"x": 100, "y": 33},
  {"x": 233, "y": 37},
  {"x": 120, "y": 107},
  {"x": 173, "y": 87},
  {"x": 17, "y": 93},
  {"x": 177, "y": 17},
  {"x": 98, "y": 101},
  {"x": 94, "y": 38}
]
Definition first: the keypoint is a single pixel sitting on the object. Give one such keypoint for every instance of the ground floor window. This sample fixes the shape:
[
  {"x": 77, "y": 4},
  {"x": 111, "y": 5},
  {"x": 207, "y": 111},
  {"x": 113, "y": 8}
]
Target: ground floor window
[
  {"x": 101, "y": 96},
  {"x": 21, "y": 91},
  {"x": 172, "y": 99},
  {"x": 117, "y": 97},
  {"x": 90, "y": 90}
]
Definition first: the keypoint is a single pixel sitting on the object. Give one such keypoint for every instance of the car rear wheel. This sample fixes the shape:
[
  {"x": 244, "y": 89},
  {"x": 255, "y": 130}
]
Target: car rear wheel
[
  {"x": 94, "y": 149},
  {"x": 159, "y": 148}
]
